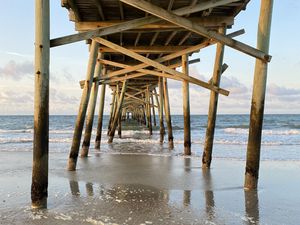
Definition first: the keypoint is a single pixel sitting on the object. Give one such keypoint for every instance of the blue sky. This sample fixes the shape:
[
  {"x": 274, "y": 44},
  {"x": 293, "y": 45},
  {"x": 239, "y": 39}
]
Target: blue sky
[{"x": 68, "y": 63}]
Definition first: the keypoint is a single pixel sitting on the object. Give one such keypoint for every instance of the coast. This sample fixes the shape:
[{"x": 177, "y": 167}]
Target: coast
[{"x": 141, "y": 189}]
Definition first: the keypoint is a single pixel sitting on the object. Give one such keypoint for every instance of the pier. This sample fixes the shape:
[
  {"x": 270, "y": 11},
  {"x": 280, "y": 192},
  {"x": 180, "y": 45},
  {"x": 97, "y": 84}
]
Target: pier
[{"x": 135, "y": 47}]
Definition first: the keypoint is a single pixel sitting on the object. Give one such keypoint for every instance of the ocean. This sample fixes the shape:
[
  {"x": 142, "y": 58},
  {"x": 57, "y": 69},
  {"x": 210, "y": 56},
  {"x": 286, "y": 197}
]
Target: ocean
[{"x": 280, "y": 141}]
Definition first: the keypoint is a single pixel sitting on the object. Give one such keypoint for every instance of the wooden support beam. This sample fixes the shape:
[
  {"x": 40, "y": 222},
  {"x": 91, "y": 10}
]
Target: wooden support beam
[
  {"x": 75, "y": 10},
  {"x": 39, "y": 185},
  {"x": 91, "y": 110},
  {"x": 258, "y": 97},
  {"x": 117, "y": 113},
  {"x": 183, "y": 22},
  {"x": 186, "y": 107},
  {"x": 112, "y": 109},
  {"x": 168, "y": 113},
  {"x": 157, "y": 65},
  {"x": 162, "y": 26},
  {"x": 153, "y": 110},
  {"x": 100, "y": 9},
  {"x": 213, "y": 105},
  {"x": 100, "y": 114},
  {"x": 160, "y": 103},
  {"x": 83, "y": 107},
  {"x": 146, "y": 49},
  {"x": 131, "y": 24},
  {"x": 148, "y": 109},
  {"x": 173, "y": 55}
]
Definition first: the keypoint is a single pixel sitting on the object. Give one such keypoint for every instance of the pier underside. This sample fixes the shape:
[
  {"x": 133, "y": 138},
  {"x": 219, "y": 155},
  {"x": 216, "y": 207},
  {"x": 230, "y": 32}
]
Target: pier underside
[{"x": 134, "y": 49}]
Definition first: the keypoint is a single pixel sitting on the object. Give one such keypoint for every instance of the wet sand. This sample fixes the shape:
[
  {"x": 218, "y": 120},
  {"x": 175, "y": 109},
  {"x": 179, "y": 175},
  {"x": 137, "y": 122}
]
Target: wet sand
[{"x": 143, "y": 189}]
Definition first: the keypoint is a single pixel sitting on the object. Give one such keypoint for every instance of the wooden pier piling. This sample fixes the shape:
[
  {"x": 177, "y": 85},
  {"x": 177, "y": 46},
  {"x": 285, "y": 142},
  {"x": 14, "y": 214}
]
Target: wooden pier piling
[
  {"x": 213, "y": 104},
  {"x": 117, "y": 113},
  {"x": 83, "y": 107},
  {"x": 153, "y": 109},
  {"x": 258, "y": 97},
  {"x": 186, "y": 107},
  {"x": 161, "y": 111},
  {"x": 100, "y": 114},
  {"x": 91, "y": 110},
  {"x": 168, "y": 113},
  {"x": 39, "y": 185}
]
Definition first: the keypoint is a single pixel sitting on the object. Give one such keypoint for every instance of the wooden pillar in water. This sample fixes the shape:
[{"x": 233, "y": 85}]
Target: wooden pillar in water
[
  {"x": 258, "y": 97},
  {"x": 112, "y": 109},
  {"x": 186, "y": 107},
  {"x": 120, "y": 126},
  {"x": 161, "y": 111},
  {"x": 213, "y": 105},
  {"x": 100, "y": 114},
  {"x": 91, "y": 110},
  {"x": 153, "y": 109},
  {"x": 83, "y": 107},
  {"x": 148, "y": 108},
  {"x": 168, "y": 114},
  {"x": 117, "y": 113},
  {"x": 39, "y": 185}
]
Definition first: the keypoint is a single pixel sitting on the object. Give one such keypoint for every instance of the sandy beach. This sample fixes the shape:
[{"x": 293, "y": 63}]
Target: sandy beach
[{"x": 142, "y": 189}]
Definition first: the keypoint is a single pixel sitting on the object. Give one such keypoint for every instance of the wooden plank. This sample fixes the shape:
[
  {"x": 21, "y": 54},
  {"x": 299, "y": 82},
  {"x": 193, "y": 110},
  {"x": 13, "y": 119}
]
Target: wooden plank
[
  {"x": 211, "y": 22},
  {"x": 131, "y": 24},
  {"x": 161, "y": 67},
  {"x": 183, "y": 22},
  {"x": 157, "y": 49}
]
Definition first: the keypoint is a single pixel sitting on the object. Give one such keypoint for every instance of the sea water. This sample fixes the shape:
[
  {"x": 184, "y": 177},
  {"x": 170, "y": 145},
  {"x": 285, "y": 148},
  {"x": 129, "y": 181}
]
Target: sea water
[{"x": 280, "y": 138}]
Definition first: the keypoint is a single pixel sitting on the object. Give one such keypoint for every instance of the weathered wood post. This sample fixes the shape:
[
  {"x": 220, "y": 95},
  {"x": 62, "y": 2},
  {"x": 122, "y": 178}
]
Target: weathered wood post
[
  {"x": 153, "y": 109},
  {"x": 186, "y": 106},
  {"x": 83, "y": 107},
  {"x": 168, "y": 114},
  {"x": 149, "y": 110},
  {"x": 161, "y": 111},
  {"x": 39, "y": 185},
  {"x": 117, "y": 113},
  {"x": 120, "y": 126},
  {"x": 213, "y": 105},
  {"x": 91, "y": 110},
  {"x": 100, "y": 114},
  {"x": 258, "y": 97},
  {"x": 112, "y": 109}
]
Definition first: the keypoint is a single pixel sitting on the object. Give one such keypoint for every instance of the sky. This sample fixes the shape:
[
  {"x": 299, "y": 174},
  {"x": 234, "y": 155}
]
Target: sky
[{"x": 68, "y": 64}]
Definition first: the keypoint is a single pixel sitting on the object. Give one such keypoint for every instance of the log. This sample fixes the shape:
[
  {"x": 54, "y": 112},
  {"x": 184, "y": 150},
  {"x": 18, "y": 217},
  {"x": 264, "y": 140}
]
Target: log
[
  {"x": 39, "y": 185},
  {"x": 83, "y": 107},
  {"x": 258, "y": 97},
  {"x": 213, "y": 105}
]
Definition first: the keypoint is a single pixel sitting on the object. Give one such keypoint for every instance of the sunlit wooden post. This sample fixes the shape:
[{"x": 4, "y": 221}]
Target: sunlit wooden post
[
  {"x": 213, "y": 105},
  {"x": 91, "y": 110},
  {"x": 100, "y": 114},
  {"x": 168, "y": 113},
  {"x": 83, "y": 107},
  {"x": 153, "y": 109},
  {"x": 186, "y": 107},
  {"x": 148, "y": 106},
  {"x": 39, "y": 185},
  {"x": 161, "y": 110},
  {"x": 117, "y": 113},
  {"x": 112, "y": 109},
  {"x": 258, "y": 97}
]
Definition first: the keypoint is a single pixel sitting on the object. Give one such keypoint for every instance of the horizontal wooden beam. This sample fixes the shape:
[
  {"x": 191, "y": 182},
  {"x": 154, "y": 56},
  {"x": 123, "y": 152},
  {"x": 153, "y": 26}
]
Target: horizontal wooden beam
[
  {"x": 174, "y": 55},
  {"x": 131, "y": 24},
  {"x": 157, "y": 49},
  {"x": 187, "y": 24},
  {"x": 209, "y": 21},
  {"x": 159, "y": 66}
]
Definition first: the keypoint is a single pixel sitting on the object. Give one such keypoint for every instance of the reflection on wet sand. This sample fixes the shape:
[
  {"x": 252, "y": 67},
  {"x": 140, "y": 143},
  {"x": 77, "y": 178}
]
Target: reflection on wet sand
[
  {"x": 209, "y": 194},
  {"x": 251, "y": 206}
]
